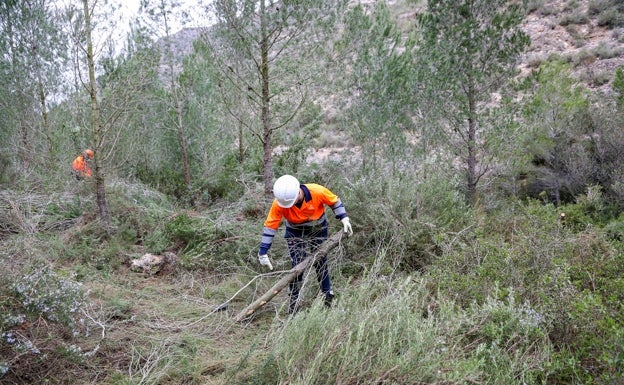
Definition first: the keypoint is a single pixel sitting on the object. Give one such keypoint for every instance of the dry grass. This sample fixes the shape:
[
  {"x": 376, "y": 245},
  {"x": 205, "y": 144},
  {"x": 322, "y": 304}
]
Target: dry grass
[{"x": 162, "y": 329}]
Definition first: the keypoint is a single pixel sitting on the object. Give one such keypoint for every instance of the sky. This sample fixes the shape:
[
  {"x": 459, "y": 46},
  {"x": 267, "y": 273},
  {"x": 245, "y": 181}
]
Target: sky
[
  {"x": 118, "y": 26},
  {"x": 194, "y": 9},
  {"x": 128, "y": 10}
]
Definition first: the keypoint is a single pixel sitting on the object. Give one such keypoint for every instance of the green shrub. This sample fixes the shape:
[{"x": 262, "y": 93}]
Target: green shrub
[
  {"x": 590, "y": 337},
  {"x": 596, "y": 7},
  {"x": 168, "y": 180},
  {"x": 43, "y": 293},
  {"x": 611, "y": 18},
  {"x": 595, "y": 78},
  {"x": 515, "y": 247},
  {"x": 590, "y": 209},
  {"x": 185, "y": 229},
  {"x": 499, "y": 333},
  {"x": 44, "y": 318},
  {"x": 569, "y": 271},
  {"x": 68, "y": 210},
  {"x": 573, "y": 17},
  {"x": 201, "y": 244},
  {"x": 615, "y": 229},
  {"x": 399, "y": 212},
  {"x": 608, "y": 51},
  {"x": 618, "y": 85},
  {"x": 391, "y": 329},
  {"x": 225, "y": 184}
]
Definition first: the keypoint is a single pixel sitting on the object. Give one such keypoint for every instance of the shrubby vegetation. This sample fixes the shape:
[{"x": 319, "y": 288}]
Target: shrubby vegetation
[
  {"x": 428, "y": 290},
  {"x": 520, "y": 284}
]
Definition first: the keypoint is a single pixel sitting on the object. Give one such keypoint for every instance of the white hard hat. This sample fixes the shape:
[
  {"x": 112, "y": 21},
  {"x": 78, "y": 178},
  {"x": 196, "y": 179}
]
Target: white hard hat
[{"x": 286, "y": 190}]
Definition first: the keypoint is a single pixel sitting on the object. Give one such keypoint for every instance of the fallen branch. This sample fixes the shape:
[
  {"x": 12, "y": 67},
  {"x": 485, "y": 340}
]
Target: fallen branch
[{"x": 290, "y": 276}]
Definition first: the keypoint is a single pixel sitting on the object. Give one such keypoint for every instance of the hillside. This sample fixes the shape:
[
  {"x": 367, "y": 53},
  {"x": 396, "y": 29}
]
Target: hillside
[
  {"x": 579, "y": 34},
  {"x": 430, "y": 289},
  {"x": 588, "y": 34}
]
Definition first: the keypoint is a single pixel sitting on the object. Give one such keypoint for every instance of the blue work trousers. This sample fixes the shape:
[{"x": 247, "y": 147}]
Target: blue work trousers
[{"x": 302, "y": 240}]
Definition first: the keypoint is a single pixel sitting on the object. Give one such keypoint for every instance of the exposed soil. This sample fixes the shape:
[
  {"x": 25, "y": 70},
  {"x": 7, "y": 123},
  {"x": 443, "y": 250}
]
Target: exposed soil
[{"x": 567, "y": 31}]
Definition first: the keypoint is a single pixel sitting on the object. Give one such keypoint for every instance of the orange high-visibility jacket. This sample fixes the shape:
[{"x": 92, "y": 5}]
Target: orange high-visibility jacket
[
  {"x": 315, "y": 198},
  {"x": 80, "y": 166}
]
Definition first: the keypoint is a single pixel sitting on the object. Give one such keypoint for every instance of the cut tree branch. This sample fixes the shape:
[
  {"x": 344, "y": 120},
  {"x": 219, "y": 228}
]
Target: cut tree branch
[{"x": 290, "y": 276}]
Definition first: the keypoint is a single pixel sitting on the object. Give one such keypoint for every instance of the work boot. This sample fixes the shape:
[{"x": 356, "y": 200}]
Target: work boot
[{"x": 329, "y": 297}]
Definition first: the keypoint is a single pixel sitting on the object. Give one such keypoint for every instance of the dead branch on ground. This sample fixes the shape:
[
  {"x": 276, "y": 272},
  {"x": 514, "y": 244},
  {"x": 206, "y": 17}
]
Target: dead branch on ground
[{"x": 290, "y": 276}]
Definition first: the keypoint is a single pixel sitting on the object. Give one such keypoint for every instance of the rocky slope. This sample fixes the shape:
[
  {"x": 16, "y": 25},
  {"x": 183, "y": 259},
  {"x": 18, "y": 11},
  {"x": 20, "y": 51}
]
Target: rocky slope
[{"x": 587, "y": 34}]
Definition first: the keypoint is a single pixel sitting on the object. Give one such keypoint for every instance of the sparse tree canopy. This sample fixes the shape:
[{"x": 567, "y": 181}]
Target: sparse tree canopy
[
  {"x": 271, "y": 52},
  {"x": 378, "y": 89},
  {"x": 469, "y": 49}
]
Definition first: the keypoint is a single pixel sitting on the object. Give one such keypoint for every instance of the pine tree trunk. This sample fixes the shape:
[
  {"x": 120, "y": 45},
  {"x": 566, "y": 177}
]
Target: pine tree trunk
[{"x": 95, "y": 123}]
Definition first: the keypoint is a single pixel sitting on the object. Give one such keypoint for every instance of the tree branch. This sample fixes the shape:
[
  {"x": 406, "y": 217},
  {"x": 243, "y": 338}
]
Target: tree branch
[{"x": 291, "y": 275}]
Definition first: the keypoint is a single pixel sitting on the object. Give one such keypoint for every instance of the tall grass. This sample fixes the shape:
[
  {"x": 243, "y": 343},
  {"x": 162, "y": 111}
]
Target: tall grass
[{"x": 393, "y": 329}]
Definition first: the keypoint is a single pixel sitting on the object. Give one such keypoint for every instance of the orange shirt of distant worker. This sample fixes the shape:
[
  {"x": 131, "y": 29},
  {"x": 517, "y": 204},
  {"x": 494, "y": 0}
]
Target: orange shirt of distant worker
[{"x": 80, "y": 165}]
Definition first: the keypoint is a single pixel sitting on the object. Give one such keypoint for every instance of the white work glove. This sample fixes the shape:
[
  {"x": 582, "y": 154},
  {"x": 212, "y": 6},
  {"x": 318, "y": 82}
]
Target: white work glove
[
  {"x": 347, "y": 226},
  {"x": 264, "y": 261}
]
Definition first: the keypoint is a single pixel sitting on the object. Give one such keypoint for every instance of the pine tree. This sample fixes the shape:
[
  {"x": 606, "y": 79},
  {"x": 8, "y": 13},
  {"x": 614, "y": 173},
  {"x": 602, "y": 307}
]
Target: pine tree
[
  {"x": 270, "y": 52},
  {"x": 468, "y": 51}
]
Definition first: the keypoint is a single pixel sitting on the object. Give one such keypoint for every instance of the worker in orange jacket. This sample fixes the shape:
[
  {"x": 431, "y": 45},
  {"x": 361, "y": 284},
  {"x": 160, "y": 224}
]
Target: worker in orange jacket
[
  {"x": 302, "y": 207},
  {"x": 80, "y": 165}
]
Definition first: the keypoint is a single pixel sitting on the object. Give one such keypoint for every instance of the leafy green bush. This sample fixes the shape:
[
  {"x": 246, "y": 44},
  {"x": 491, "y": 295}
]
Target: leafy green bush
[
  {"x": 167, "y": 180},
  {"x": 176, "y": 232},
  {"x": 609, "y": 13},
  {"x": 594, "y": 331},
  {"x": 573, "y": 17},
  {"x": 611, "y": 18},
  {"x": 567, "y": 270},
  {"x": 596, "y": 7},
  {"x": 69, "y": 210},
  {"x": 615, "y": 229},
  {"x": 224, "y": 184},
  {"x": 590, "y": 209}
]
